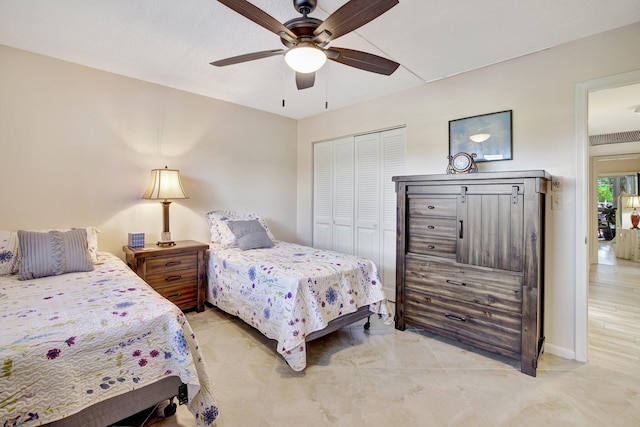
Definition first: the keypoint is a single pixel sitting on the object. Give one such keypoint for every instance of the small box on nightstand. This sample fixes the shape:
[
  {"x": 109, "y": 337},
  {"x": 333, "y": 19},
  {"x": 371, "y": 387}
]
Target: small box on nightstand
[{"x": 136, "y": 240}]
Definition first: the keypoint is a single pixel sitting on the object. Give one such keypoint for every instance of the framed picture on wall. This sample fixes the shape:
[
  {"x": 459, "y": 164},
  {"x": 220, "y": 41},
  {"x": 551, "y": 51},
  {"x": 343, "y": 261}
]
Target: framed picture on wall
[{"x": 489, "y": 136}]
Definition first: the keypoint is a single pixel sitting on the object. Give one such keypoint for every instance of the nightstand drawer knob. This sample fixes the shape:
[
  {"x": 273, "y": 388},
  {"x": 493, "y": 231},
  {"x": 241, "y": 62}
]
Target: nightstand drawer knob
[
  {"x": 172, "y": 278},
  {"x": 174, "y": 296},
  {"x": 172, "y": 263}
]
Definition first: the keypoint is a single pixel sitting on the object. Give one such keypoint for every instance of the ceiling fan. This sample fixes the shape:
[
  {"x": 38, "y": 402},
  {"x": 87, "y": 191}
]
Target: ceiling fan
[{"x": 306, "y": 38}]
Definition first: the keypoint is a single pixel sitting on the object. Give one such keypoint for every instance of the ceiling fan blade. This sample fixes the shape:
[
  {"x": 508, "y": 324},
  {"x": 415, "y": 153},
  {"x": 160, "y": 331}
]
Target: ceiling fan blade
[
  {"x": 352, "y": 15},
  {"x": 248, "y": 57},
  {"x": 305, "y": 80},
  {"x": 363, "y": 60},
  {"x": 258, "y": 16}
]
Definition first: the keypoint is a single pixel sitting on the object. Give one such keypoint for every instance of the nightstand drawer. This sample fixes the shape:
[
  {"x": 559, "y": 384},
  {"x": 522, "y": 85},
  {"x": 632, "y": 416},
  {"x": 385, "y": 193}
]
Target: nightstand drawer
[
  {"x": 164, "y": 264},
  {"x": 182, "y": 295},
  {"x": 172, "y": 278}
]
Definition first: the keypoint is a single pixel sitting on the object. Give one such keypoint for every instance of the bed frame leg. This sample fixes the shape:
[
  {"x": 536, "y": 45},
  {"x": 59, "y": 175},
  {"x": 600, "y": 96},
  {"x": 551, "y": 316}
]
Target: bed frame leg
[{"x": 368, "y": 324}]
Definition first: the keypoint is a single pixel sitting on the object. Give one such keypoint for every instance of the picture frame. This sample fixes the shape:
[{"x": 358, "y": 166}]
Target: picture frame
[{"x": 489, "y": 136}]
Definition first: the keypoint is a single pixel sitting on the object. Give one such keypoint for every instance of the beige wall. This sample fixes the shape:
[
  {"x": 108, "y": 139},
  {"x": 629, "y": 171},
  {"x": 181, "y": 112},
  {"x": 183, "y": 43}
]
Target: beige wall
[
  {"x": 78, "y": 144},
  {"x": 539, "y": 88}
]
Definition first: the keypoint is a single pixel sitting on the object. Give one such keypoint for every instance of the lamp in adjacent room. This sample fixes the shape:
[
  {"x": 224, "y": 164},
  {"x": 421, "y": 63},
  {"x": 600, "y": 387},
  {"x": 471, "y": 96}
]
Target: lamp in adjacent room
[
  {"x": 634, "y": 202},
  {"x": 164, "y": 184}
]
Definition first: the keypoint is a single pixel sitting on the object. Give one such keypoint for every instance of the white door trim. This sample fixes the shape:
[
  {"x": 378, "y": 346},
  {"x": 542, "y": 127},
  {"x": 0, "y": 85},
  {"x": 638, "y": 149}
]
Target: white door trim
[{"x": 582, "y": 90}]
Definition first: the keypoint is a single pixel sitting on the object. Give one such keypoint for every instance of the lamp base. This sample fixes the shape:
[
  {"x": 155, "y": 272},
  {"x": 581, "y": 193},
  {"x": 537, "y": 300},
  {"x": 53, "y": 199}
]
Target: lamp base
[
  {"x": 635, "y": 219},
  {"x": 165, "y": 239}
]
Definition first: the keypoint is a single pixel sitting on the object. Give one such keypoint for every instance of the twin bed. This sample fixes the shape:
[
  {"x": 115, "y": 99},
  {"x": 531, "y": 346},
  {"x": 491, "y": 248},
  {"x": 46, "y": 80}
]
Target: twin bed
[
  {"x": 93, "y": 347},
  {"x": 290, "y": 293}
]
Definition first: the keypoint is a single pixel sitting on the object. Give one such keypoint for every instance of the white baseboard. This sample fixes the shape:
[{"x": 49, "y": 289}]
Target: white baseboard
[{"x": 563, "y": 352}]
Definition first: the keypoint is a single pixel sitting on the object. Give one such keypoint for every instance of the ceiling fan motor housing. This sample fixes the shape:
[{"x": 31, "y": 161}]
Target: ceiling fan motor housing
[{"x": 305, "y": 6}]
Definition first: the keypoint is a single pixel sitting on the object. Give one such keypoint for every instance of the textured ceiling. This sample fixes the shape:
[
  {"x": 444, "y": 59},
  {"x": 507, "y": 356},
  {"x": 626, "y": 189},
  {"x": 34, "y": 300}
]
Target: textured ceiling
[{"x": 172, "y": 42}]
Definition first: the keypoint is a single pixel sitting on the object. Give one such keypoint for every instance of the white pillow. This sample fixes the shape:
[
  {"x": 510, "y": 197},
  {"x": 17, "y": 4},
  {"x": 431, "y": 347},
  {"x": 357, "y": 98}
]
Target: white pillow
[
  {"x": 220, "y": 232},
  {"x": 9, "y": 259}
]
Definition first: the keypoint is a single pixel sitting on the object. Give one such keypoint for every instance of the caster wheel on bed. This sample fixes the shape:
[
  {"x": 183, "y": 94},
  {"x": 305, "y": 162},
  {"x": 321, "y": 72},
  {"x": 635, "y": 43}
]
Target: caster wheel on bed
[
  {"x": 367, "y": 325},
  {"x": 170, "y": 410}
]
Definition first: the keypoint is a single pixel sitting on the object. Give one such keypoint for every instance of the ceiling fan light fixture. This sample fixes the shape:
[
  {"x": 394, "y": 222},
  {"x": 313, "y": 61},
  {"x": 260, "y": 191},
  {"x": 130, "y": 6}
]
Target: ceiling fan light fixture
[
  {"x": 480, "y": 137},
  {"x": 305, "y": 58}
]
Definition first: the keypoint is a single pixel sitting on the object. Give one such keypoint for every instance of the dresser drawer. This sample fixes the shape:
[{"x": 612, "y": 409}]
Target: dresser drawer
[
  {"x": 436, "y": 246},
  {"x": 489, "y": 287},
  {"x": 466, "y": 322},
  {"x": 433, "y": 206},
  {"x": 432, "y": 226},
  {"x": 162, "y": 264},
  {"x": 183, "y": 295}
]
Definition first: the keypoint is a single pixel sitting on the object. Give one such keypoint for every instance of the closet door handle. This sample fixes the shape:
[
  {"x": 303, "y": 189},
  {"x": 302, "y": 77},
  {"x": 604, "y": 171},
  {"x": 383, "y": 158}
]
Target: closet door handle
[{"x": 461, "y": 229}]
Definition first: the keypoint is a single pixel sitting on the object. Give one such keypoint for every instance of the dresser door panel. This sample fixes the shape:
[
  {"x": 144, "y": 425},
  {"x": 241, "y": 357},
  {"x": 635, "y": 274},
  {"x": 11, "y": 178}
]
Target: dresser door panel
[{"x": 490, "y": 230}]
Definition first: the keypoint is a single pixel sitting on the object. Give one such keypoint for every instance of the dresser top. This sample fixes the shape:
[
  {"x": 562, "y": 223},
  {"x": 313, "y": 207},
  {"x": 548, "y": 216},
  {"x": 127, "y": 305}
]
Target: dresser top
[{"x": 475, "y": 176}]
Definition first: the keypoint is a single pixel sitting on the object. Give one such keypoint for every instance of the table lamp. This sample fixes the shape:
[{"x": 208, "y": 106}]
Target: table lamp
[
  {"x": 634, "y": 202},
  {"x": 164, "y": 184}
]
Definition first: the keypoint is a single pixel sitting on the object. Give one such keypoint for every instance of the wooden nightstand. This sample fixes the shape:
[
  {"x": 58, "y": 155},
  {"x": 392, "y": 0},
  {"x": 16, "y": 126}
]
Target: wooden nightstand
[{"x": 175, "y": 272}]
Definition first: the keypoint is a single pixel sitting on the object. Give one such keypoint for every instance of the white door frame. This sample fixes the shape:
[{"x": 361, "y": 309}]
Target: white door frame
[{"x": 582, "y": 260}]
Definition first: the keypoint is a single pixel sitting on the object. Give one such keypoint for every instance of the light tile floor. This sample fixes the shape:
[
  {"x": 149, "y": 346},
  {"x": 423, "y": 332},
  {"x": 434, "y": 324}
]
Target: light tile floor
[{"x": 385, "y": 377}]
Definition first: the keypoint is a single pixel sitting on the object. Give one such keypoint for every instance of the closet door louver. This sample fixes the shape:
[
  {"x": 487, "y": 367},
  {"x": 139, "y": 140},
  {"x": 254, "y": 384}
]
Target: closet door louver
[{"x": 355, "y": 202}]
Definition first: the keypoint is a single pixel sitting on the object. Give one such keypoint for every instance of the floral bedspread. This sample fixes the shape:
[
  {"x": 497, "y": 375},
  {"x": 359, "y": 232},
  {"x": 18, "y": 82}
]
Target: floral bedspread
[
  {"x": 289, "y": 291},
  {"x": 70, "y": 341}
]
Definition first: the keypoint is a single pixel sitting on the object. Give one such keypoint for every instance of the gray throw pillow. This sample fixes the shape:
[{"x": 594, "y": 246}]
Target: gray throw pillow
[
  {"x": 250, "y": 234},
  {"x": 53, "y": 253}
]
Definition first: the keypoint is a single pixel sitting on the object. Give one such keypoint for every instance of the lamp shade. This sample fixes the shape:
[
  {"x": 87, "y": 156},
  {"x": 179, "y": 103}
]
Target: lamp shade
[
  {"x": 305, "y": 58},
  {"x": 633, "y": 202},
  {"x": 165, "y": 184}
]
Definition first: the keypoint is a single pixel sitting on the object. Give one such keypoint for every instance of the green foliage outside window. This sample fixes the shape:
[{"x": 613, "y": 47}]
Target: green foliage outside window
[{"x": 605, "y": 190}]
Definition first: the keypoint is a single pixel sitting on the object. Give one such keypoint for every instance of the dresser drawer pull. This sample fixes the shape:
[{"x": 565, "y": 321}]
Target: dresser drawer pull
[
  {"x": 431, "y": 207},
  {"x": 453, "y": 282},
  {"x": 431, "y": 227},
  {"x": 461, "y": 225},
  {"x": 172, "y": 263},
  {"x": 452, "y": 317},
  {"x": 431, "y": 247},
  {"x": 174, "y": 296},
  {"x": 172, "y": 278}
]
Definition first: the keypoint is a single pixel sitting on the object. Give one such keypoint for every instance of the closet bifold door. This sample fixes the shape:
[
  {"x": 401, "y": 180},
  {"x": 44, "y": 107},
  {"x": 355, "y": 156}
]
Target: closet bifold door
[{"x": 490, "y": 222}]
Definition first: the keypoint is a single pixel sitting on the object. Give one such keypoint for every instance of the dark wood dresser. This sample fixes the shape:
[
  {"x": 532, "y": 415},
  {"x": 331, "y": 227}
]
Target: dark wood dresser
[
  {"x": 470, "y": 259},
  {"x": 175, "y": 272}
]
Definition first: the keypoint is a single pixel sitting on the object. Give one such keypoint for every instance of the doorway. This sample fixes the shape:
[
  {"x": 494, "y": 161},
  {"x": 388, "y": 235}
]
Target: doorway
[{"x": 586, "y": 224}]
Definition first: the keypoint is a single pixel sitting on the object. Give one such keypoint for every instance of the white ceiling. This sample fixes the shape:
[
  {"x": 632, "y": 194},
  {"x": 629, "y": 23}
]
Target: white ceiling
[
  {"x": 172, "y": 42},
  {"x": 613, "y": 110}
]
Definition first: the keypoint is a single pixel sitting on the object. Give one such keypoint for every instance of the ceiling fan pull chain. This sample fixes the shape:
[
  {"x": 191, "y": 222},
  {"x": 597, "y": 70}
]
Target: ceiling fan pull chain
[{"x": 326, "y": 88}]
